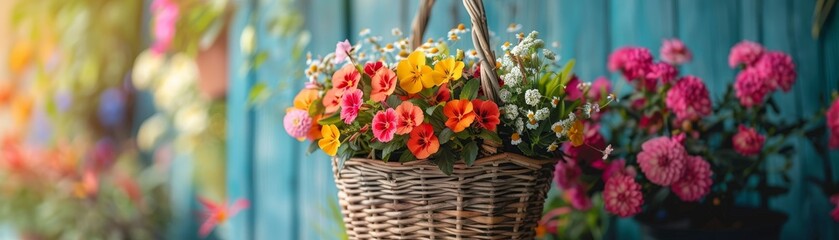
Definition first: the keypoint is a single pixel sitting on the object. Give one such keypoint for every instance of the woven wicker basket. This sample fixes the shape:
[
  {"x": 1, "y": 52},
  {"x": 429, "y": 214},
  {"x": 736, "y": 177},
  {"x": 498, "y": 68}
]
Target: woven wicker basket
[{"x": 499, "y": 197}]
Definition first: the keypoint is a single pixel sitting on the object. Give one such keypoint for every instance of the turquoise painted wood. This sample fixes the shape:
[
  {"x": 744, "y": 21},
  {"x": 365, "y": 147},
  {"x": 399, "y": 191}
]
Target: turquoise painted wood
[{"x": 291, "y": 191}]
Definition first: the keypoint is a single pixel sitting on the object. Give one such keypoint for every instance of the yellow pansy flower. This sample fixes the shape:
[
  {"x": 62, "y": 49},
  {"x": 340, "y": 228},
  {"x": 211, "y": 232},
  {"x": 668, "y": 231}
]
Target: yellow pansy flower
[
  {"x": 447, "y": 70},
  {"x": 413, "y": 74},
  {"x": 331, "y": 140},
  {"x": 576, "y": 133}
]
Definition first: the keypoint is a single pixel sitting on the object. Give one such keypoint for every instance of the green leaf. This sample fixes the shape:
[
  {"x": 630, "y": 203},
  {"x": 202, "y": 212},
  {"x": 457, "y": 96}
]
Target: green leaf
[
  {"x": 445, "y": 135},
  {"x": 313, "y": 147},
  {"x": 524, "y": 149},
  {"x": 393, "y": 101},
  {"x": 470, "y": 153},
  {"x": 259, "y": 59},
  {"x": 407, "y": 157},
  {"x": 470, "y": 89},
  {"x": 344, "y": 153},
  {"x": 316, "y": 107},
  {"x": 333, "y": 119},
  {"x": 389, "y": 148},
  {"x": 566, "y": 72},
  {"x": 259, "y": 92},
  {"x": 445, "y": 161},
  {"x": 430, "y": 110},
  {"x": 490, "y": 135}
]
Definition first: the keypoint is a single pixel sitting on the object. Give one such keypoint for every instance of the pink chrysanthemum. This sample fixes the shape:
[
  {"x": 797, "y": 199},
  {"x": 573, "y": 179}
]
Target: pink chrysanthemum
[
  {"x": 833, "y": 123},
  {"x": 750, "y": 87},
  {"x": 663, "y": 71},
  {"x": 350, "y": 103},
  {"x": 384, "y": 125},
  {"x": 618, "y": 168},
  {"x": 622, "y": 196},
  {"x": 696, "y": 181},
  {"x": 674, "y": 51},
  {"x": 633, "y": 62},
  {"x": 297, "y": 123},
  {"x": 566, "y": 174},
  {"x": 778, "y": 69},
  {"x": 578, "y": 197},
  {"x": 747, "y": 141},
  {"x": 689, "y": 99},
  {"x": 662, "y": 160},
  {"x": 745, "y": 52}
]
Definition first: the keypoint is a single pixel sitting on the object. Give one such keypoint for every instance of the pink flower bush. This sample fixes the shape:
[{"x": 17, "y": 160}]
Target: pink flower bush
[
  {"x": 662, "y": 160},
  {"x": 674, "y": 51},
  {"x": 350, "y": 104},
  {"x": 689, "y": 99},
  {"x": 778, "y": 69},
  {"x": 747, "y": 141},
  {"x": 833, "y": 124},
  {"x": 622, "y": 196},
  {"x": 744, "y": 53},
  {"x": 696, "y": 182},
  {"x": 633, "y": 62},
  {"x": 384, "y": 125},
  {"x": 297, "y": 123},
  {"x": 165, "y": 16},
  {"x": 578, "y": 197},
  {"x": 663, "y": 71},
  {"x": 751, "y": 88},
  {"x": 566, "y": 174},
  {"x": 573, "y": 88},
  {"x": 341, "y": 50},
  {"x": 599, "y": 88}
]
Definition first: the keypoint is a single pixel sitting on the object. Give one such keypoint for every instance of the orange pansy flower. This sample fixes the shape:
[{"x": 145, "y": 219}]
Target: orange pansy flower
[
  {"x": 423, "y": 142},
  {"x": 459, "y": 113},
  {"x": 576, "y": 133},
  {"x": 332, "y": 100},
  {"x": 409, "y": 116},
  {"x": 305, "y": 97},
  {"x": 346, "y": 78},
  {"x": 384, "y": 82}
]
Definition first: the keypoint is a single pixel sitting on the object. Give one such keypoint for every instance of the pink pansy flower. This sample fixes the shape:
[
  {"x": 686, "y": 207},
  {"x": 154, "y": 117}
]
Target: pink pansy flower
[
  {"x": 833, "y": 124},
  {"x": 297, "y": 123},
  {"x": 383, "y": 83},
  {"x": 674, "y": 51},
  {"x": 332, "y": 100},
  {"x": 410, "y": 116},
  {"x": 663, "y": 71},
  {"x": 696, "y": 182},
  {"x": 744, "y": 53},
  {"x": 578, "y": 197},
  {"x": 747, "y": 141},
  {"x": 350, "y": 103},
  {"x": 689, "y": 99},
  {"x": 566, "y": 173},
  {"x": 750, "y": 87},
  {"x": 622, "y": 196},
  {"x": 384, "y": 125},
  {"x": 215, "y": 214},
  {"x": 165, "y": 16},
  {"x": 371, "y": 68},
  {"x": 342, "y": 50},
  {"x": 662, "y": 160},
  {"x": 778, "y": 69},
  {"x": 599, "y": 88},
  {"x": 572, "y": 89}
]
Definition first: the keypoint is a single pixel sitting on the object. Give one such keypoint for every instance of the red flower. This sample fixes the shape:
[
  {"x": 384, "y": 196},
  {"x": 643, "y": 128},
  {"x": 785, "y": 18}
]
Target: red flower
[
  {"x": 423, "y": 142},
  {"x": 460, "y": 114},
  {"x": 443, "y": 94},
  {"x": 217, "y": 213},
  {"x": 487, "y": 115},
  {"x": 372, "y": 67}
]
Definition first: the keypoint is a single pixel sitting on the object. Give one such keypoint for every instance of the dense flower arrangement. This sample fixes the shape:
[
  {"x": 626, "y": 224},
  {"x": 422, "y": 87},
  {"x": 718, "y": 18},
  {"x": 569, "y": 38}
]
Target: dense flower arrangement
[
  {"x": 390, "y": 102},
  {"x": 678, "y": 147}
]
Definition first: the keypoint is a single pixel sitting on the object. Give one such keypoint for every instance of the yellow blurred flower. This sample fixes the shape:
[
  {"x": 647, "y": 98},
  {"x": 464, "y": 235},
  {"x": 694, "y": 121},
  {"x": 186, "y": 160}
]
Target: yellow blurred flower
[
  {"x": 447, "y": 70},
  {"x": 576, "y": 133},
  {"x": 413, "y": 74},
  {"x": 331, "y": 140},
  {"x": 305, "y": 98},
  {"x": 20, "y": 56},
  {"x": 22, "y": 108}
]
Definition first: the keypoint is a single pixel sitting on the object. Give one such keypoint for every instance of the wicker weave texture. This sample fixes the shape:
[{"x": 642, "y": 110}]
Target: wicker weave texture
[{"x": 499, "y": 197}]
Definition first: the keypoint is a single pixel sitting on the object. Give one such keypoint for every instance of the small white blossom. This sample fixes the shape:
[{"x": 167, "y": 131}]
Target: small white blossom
[
  {"x": 513, "y": 78},
  {"x": 396, "y": 32},
  {"x": 511, "y": 111},
  {"x": 472, "y": 54},
  {"x": 554, "y": 101},
  {"x": 557, "y": 128},
  {"x": 549, "y": 54},
  {"x": 519, "y": 125},
  {"x": 513, "y": 27},
  {"x": 364, "y": 32},
  {"x": 587, "y": 110},
  {"x": 505, "y": 46},
  {"x": 504, "y": 94},
  {"x": 532, "y": 97},
  {"x": 515, "y": 139},
  {"x": 542, "y": 114},
  {"x": 607, "y": 151}
]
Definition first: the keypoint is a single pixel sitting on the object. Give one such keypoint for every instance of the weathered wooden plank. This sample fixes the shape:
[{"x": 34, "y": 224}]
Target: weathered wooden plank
[
  {"x": 709, "y": 28},
  {"x": 583, "y": 34},
  {"x": 830, "y": 77}
]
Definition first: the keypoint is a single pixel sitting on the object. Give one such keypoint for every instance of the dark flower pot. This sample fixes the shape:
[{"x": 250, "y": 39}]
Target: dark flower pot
[{"x": 734, "y": 223}]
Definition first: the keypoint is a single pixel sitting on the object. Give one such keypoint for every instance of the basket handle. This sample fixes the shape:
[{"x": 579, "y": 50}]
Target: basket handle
[
  {"x": 480, "y": 37},
  {"x": 420, "y": 22}
]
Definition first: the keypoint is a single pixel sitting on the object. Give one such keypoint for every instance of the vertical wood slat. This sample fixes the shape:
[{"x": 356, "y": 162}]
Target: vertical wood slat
[{"x": 829, "y": 64}]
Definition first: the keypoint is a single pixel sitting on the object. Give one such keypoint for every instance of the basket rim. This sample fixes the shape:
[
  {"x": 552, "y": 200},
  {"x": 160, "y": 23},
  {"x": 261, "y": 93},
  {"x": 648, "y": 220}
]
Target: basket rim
[{"x": 488, "y": 160}]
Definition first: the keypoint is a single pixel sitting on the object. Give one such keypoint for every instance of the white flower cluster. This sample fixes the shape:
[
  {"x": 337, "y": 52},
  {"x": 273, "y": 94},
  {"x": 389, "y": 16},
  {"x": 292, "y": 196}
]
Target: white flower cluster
[
  {"x": 532, "y": 97},
  {"x": 505, "y": 95},
  {"x": 514, "y": 77},
  {"x": 511, "y": 111},
  {"x": 528, "y": 43}
]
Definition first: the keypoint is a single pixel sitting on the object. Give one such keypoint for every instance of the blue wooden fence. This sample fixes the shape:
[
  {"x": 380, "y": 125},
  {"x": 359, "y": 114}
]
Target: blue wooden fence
[{"x": 291, "y": 192}]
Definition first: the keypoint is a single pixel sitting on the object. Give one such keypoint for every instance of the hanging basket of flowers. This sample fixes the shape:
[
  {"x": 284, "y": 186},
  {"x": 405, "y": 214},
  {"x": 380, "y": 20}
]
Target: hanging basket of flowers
[{"x": 429, "y": 142}]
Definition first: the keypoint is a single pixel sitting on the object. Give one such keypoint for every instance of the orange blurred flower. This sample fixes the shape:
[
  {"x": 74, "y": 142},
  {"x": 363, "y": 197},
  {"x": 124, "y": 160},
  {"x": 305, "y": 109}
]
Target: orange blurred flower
[
  {"x": 384, "y": 82},
  {"x": 215, "y": 214},
  {"x": 409, "y": 116},
  {"x": 305, "y": 97},
  {"x": 332, "y": 100},
  {"x": 314, "y": 131},
  {"x": 423, "y": 142},
  {"x": 88, "y": 186},
  {"x": 487, "y": 115},
  {"x": 20, "y": 56},
  {"x": 22, "y": 108},
  {"x": 576, "y": 133},
  {"x": 459, "y": 113}
]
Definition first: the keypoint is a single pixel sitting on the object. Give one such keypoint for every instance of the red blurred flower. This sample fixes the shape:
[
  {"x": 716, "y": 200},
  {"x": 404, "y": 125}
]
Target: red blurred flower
[
  {"x": 217, "y": 213},
  {"x": 487, "y": 115}
]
